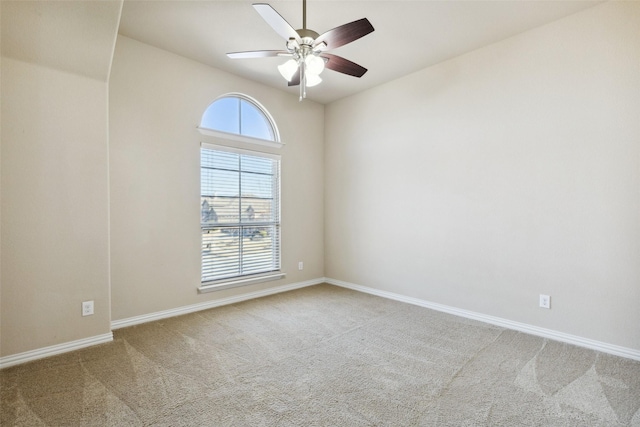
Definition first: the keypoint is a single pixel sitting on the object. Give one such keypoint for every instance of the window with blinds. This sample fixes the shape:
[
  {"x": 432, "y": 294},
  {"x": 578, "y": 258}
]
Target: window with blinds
[{"x": 240, "y": 213}]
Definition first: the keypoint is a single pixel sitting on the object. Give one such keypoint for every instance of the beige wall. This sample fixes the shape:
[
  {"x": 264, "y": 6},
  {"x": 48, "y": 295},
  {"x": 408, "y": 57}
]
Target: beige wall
[
  {"x": 478, "y": 183},
  {"x": 505, "y": 173},
  {"x": 54, "y": 242},
  {"x": 156, "y": 101}
]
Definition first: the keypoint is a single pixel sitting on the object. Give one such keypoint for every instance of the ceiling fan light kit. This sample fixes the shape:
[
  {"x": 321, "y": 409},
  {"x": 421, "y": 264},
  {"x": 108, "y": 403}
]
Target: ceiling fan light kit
[
  {"x": 307, "y": 49},
  {"x": 288, "y": 69}
]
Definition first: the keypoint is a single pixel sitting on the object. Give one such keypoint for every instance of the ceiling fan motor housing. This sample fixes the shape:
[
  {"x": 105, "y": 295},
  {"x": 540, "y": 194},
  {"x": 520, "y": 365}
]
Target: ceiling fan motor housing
[
  {"x": 306, "y": 33},
  {"x": 304, "y": 46}
]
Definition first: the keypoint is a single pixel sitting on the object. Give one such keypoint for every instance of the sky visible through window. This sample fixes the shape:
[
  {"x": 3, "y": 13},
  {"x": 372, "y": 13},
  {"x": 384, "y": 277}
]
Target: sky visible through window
[{"x": 235, "y": 115}]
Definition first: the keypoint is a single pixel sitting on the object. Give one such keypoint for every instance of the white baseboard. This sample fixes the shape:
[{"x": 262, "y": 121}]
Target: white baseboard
[
  {"x": 136, "y": 320},
  {"x": 28, "y": 356},
  {"x": 616, "y": 350}
]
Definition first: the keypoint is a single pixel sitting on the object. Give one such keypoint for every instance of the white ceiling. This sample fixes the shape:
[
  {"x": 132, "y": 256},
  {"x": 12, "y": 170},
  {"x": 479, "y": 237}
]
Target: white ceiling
[
  {"x": 73, "y": 36},
  {"x": 408, "y": 36}
]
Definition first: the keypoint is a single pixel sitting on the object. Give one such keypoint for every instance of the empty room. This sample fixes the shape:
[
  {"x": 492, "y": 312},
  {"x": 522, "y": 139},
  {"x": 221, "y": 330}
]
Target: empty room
[{"x": 320, "y": 213}]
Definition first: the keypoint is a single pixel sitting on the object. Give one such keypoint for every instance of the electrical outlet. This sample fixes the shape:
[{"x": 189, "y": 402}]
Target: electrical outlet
[
  {"x": 300, "y": 265},
  {"x": 545, "y": 301},
  {"x": 87, "y": 308}
]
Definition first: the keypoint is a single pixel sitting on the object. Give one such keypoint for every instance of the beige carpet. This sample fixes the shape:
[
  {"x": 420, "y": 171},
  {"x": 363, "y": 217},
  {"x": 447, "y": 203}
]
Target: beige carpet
[{"x": 323, "y": 356}]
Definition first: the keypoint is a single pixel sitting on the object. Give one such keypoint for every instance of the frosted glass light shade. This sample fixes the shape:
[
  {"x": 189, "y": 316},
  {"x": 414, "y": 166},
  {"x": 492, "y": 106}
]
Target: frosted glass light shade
[
  {"x": 314, "y": 64},
  {"x": 312, "y": 79},
  {"x": 288, "y": 69}
]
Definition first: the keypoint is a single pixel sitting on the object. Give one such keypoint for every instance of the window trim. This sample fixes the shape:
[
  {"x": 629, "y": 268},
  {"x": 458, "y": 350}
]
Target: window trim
[
  {"x": 239, "y": 138},
  {"x": 246, "y": 280},
  {"x": 237, "y": 281}
]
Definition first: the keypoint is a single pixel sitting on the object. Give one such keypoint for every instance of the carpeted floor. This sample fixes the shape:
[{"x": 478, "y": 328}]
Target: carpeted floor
[{"x": 323, "y": 356}]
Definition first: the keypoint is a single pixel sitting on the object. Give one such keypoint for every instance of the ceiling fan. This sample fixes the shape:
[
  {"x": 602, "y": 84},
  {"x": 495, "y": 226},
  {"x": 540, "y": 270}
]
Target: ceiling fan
[{"x": 308, "y": 49}]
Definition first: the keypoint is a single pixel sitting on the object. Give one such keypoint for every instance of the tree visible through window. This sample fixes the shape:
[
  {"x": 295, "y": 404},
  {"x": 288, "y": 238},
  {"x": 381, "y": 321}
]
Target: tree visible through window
[{"x": 240, "y": 204}]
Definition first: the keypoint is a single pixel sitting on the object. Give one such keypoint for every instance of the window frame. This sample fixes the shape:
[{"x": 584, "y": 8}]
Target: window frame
[{"x": 230, "y": 142}]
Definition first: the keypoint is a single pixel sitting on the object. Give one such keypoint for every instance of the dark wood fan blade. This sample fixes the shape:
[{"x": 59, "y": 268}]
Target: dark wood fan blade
[
  {"x": 276, "y": 21},
  {"x": 341, "y": 65},
  {"x": 346, "y": 33},
  {"x": 295, "y": 80},
  {"x": 258, "y": 54}
]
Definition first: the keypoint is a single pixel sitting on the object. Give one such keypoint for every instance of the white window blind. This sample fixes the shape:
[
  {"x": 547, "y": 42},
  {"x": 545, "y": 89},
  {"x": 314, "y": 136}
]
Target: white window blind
[{"x": 240, "y": 213}]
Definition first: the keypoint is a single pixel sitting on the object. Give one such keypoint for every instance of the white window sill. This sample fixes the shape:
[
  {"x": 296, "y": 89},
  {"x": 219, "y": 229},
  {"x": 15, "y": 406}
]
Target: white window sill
[{"x": 228, "y": 284}]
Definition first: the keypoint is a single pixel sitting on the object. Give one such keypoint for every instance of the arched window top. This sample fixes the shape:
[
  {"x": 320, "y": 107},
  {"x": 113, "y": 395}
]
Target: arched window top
[{"x": 241, "y": 115}]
